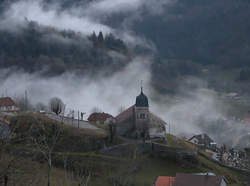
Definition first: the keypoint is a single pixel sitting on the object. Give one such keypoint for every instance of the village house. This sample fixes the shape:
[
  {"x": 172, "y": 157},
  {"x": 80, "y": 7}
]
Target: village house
[
  {"x": 7, "y": 105},
  {"x": 101, "y": 118},
  {"x": 203, "y": 141},
  {"x": 199, "y": 180},
  {"x": 137, "y": 121},
  {"x": 165, "y": 181}
]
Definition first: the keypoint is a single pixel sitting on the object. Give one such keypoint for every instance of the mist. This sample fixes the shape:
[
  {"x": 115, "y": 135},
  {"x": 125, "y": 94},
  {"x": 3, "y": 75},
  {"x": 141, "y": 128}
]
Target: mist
[
  {"x": 195, "y": 109},
  {"x": 83, "y": 93},
  {"x": 85, "y": 18}
]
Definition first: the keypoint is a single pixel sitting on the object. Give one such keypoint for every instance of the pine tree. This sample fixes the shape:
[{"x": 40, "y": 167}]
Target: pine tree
[{"x": 100, "y": 38}]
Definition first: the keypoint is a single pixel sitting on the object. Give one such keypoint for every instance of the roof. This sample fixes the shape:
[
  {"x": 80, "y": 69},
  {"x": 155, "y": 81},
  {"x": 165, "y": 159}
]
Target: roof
[
  {"x": 6, "y": 101},
  {"x": 101, "y": 117},
  {"x": 125, "y": 114},
  {"x": 141, "y": 100},
  {"x": 197, "y": 180},
  {"x": 157, "y": 117},
  {"x": 165, "y": 181},
  {"x": 202, "y": 139}
]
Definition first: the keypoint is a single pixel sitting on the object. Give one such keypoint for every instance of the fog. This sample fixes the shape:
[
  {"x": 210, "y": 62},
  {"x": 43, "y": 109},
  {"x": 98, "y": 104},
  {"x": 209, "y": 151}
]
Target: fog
[
  {"x": 193, "y": 110},
  {"x": 82, "y": 93},
  {"x": 84, "y": 18}
]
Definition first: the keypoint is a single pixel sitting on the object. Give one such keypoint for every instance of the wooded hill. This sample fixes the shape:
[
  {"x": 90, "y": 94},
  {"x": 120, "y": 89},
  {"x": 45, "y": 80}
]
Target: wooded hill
[{"x": 36, "y": 47}]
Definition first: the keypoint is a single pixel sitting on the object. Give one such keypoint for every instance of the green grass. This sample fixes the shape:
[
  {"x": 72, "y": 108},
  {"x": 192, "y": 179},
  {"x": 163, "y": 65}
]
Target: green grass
[{"x": 103, "y": 167}]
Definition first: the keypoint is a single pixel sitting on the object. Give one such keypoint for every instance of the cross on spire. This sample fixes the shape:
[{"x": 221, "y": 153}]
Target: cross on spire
[{"x": 141, "y": 86}]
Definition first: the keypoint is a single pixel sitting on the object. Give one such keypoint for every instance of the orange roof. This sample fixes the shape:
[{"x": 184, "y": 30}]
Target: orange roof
[
  {"x": 165, "y": 181},
  {"x": 7, "y": 101}
]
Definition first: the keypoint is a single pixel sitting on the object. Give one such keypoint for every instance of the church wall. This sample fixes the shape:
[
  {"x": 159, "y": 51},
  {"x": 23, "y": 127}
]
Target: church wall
[
  {"x": 125, "y": 126},
  {"x": 141, "y": 118}
]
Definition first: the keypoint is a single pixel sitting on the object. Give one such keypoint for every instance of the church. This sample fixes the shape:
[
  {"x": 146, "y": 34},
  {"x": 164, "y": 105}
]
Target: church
[{"x": 137, "y": 121}]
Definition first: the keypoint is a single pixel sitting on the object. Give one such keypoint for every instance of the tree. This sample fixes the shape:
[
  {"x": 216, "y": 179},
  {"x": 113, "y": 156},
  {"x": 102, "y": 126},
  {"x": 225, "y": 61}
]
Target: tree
[
  {"x": 23, "y": 102},
  {"x": 96, "y": 110},
  {"x": 41, "y": 107},
  {"x": 56, "y": 105},
  {"x": 100, "y": 38},
  {"x": 44, "y": 137},
  {"x": 9, "y": 162},
  {"x": 121, "y": 109}
]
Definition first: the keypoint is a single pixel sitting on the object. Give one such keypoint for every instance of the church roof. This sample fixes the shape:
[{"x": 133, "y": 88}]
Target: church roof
[
  {"x": 125, "y": 114},
  {"x": 141, "y": 100}
]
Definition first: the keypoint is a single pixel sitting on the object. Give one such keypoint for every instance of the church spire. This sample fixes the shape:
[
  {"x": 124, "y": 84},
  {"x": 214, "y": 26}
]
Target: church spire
[
  {"x": 141, "y": 100},
  {"x": 141, "y": 86}
]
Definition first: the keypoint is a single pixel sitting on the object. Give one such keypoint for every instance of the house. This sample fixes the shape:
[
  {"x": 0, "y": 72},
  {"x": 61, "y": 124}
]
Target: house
[
  {"x": 165, "y": 181},
  {"x": 203, "y": 141},
  {"x": 137, "y": 121},
  {"x": 101, "y": 118},
  {"x": 7, "y": 105},
  {"x": 199, "y": 180}
]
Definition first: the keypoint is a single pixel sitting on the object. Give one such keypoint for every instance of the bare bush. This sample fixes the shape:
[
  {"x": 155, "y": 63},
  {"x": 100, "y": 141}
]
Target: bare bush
[{"x": 56, "y": 105}]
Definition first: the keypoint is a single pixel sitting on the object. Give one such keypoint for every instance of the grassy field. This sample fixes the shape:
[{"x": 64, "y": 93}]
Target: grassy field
[{"x": 79, "y": 157}]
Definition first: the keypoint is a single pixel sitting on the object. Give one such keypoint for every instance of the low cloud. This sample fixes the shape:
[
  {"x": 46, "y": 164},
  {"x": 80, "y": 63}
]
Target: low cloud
[
  {"x": 106, "y": 93},
  {"x": 49, "y": 16},
  {"x": 84, "y": 18}
]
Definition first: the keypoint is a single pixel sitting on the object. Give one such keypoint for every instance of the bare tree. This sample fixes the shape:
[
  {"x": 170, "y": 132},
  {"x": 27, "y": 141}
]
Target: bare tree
[
  {"x": 121, "y": 109},
  {"x": 81, "y": 175},
  {"x": 128, "y": 175},
  {"x": 23, "y": 103},
  {"x": 84, "y": 177},
  {"x": 45, "y": 139},
  {"x": 41, "y": 107},
  {"x": 56, "y": 105},
  {"x": 7, "y": 161},
  {"x": 96, "y": 110}
]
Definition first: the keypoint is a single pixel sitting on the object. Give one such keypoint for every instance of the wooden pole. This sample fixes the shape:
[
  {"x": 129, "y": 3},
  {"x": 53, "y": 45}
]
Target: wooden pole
[
  {"x": 169, "y": 127},
  {"x": 78, "y": 118},
  {"x": 72, "y": 116}
]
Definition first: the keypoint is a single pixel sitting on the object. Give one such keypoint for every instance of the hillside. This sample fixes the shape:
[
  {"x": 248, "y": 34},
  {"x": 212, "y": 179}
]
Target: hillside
[
  {"x": 189, "y": 36},
  {"x": 51, "y": 52},
  {"x": 80, "y": 156}
]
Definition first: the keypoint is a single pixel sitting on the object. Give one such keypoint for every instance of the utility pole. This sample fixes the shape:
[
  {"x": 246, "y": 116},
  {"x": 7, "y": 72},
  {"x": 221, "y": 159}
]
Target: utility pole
[
  {"x": 169, "y": 127},
  {"x": 26, "y": 100},
  {"x": 72, "y": 116},
  {"x": 78, "y": 119}
]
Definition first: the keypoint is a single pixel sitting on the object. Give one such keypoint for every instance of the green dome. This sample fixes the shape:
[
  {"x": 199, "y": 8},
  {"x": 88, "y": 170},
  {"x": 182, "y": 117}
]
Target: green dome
[{"x": 141, "y": 100}]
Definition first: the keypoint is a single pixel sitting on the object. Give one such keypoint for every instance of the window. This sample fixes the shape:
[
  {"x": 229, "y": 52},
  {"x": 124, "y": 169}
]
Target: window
[{"x": 142, "y": 116}]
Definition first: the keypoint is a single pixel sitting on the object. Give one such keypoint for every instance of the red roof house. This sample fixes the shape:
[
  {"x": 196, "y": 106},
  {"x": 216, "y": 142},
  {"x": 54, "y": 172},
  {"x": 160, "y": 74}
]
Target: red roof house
[
  {"x": 100, "y": 117},
  {"x": 7, "y": 105},
  {"x": 165, "y": 181},
  {"x": 199, "y": 180}
]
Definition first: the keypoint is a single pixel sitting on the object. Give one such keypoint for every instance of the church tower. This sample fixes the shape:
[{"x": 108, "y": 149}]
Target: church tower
[{"x": 141, "y": 114}]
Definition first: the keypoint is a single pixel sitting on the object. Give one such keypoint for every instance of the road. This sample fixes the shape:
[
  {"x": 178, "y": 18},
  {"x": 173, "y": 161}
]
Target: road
[{"x": 68, "y": 121}]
